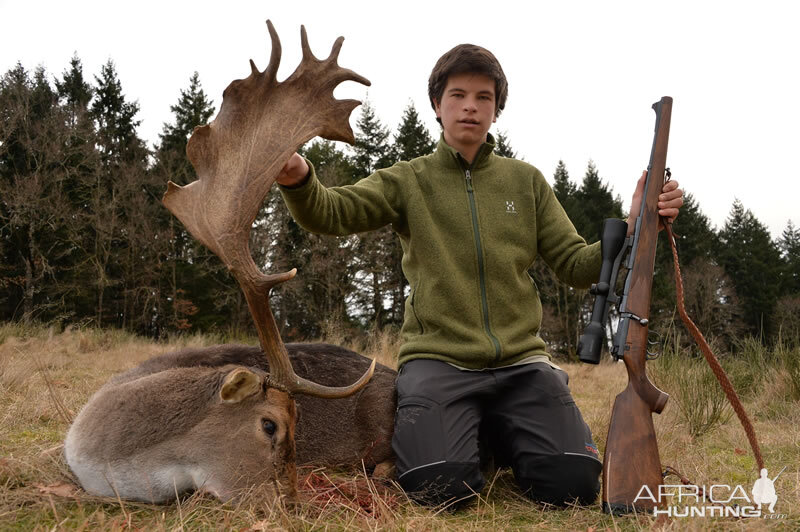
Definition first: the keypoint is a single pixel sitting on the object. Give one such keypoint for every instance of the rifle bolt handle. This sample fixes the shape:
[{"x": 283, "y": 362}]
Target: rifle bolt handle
[{"x": 642, "y": 321}]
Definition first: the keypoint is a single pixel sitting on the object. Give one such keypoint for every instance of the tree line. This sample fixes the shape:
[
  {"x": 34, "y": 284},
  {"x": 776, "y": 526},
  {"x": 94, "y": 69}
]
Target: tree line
[{"x": 85, "y": 240}]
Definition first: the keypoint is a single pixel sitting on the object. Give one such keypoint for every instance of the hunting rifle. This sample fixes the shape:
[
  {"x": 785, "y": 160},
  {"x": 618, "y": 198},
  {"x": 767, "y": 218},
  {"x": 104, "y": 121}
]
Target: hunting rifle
[{"x": 631, "y": 458}]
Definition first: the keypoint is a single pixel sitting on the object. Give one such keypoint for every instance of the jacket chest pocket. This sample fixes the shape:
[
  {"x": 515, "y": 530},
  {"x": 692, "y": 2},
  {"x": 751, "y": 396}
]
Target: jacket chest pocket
[{"x": 507, "y": 218}]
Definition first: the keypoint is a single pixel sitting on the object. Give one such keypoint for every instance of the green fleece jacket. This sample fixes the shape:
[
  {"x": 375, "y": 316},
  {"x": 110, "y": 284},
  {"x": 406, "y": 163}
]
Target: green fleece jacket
[{"x": 469, "y": 235}]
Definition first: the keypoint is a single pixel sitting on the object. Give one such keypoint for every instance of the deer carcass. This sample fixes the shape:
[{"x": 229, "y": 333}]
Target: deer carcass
[
  {"x": 152, "y": 434},
  {"x": 186, "y": 385}
]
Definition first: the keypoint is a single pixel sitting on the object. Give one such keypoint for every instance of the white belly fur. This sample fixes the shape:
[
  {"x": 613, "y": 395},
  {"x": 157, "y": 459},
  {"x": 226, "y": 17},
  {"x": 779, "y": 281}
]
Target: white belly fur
[{"x": 135, "y": 478}]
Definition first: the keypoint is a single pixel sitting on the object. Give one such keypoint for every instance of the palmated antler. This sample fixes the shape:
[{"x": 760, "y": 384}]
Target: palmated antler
[{"x": 237, "y": 157}]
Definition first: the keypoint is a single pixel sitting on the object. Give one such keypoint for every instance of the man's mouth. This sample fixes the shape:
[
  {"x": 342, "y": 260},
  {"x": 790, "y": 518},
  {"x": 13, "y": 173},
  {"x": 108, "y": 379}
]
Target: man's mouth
[{"x": 469, "y": 121}]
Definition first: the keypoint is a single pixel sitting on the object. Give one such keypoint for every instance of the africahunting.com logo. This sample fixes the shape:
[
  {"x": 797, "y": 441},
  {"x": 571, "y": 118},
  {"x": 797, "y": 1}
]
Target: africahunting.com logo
[{"x": 718, "y": 500}]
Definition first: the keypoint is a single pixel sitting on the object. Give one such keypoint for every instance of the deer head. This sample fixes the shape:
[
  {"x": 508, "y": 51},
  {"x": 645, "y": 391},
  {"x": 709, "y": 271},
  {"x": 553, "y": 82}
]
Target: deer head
[
  {"x": 237, "y": 157},
  {"x": 151, "y": 434}
]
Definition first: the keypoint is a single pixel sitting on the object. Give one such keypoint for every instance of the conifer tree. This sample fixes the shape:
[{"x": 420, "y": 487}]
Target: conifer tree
[
  {"x": 587, "y": 207},
  {"x": 82, "y": 165},
  {"x": 503, "y": 147},
  {"x": 193, "y": 109},
  {"x": 74, "y": 92},
  {"x": 317, "y": 298},
  {"x": 115, "y": 119},
  {"x": 412, "y": 139},
  {"x": 752, "y": 260},
  {"x": 33, "y": 251},
  {"x": 197, "y": 281},
  {"x": 115, "y": 192},
  {"x": 567, "y": 194},
  {"x": 694, "y": 234},
  {"x": 559, "y": 301},
  {"x": 596, "y": 203},
  {"x": 788, "y": 306},
  {"x": 74, "y": 95},
  {"x": 790, "y": 250},
  {"x": 563, "y": 187},
  {"x": 709, "y": 294},
  {"x": 372, "y": 151},
  {"x": 695, "y": 242}
]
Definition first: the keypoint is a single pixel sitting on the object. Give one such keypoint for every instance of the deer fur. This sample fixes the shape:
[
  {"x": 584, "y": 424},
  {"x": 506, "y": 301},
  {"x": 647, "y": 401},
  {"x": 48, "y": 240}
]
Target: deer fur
[{"x": 164, "y": 428}]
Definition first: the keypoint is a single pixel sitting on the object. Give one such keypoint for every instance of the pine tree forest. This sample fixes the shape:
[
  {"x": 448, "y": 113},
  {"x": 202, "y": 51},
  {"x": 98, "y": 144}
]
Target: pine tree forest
[{"x": 85, "y": 241}]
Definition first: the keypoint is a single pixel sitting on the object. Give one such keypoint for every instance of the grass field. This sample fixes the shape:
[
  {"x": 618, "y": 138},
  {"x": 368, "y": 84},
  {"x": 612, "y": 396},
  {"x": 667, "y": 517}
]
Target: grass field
[{"x": 46, "y": 377}]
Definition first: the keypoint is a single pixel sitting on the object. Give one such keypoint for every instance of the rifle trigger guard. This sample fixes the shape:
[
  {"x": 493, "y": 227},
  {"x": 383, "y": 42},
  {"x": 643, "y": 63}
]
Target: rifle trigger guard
[{"x": 653, "y": 338}]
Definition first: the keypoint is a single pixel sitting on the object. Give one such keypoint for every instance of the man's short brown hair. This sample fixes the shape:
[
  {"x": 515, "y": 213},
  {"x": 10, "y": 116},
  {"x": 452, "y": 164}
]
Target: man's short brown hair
[{"x": 468, "y": 59}]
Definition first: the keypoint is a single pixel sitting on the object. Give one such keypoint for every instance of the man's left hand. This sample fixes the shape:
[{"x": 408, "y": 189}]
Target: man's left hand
[{"x": 669, "y": 202}]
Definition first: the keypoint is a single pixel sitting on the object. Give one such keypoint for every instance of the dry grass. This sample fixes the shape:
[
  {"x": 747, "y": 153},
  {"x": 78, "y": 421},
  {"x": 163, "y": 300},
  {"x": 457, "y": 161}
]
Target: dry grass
[{"x": 45, "y": 378}]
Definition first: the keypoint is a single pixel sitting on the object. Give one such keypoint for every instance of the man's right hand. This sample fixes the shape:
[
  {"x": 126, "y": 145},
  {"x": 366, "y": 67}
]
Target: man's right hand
[{"x": 294, "y": 172}]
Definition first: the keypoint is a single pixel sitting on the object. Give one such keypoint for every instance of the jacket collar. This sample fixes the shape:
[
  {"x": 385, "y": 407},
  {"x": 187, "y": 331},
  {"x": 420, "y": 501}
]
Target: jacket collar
[{"x": 448, "y": 155}]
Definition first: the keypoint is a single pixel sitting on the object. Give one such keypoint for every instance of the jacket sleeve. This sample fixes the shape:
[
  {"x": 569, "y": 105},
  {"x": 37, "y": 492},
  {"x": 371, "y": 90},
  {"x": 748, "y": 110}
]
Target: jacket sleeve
[
  {"x": 573, "y": 260},
  {"x": 369, "y": 204}
]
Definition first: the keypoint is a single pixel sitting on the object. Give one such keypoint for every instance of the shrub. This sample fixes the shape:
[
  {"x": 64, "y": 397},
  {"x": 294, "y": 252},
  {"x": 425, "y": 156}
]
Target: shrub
[{"x": 701, "y": 402}]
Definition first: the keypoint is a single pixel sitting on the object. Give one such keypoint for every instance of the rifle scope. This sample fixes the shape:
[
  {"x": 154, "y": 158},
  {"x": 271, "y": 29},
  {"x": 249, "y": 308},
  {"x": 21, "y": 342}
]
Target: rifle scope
[{"x": 611, "y": 242}]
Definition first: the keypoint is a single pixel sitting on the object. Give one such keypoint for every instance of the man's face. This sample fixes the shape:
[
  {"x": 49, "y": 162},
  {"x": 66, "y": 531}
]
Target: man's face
[{"x": 467, "y": 111}]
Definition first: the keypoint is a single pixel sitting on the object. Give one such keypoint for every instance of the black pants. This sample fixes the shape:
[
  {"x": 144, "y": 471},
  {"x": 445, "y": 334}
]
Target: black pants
[{"x": 525, "y": 414}]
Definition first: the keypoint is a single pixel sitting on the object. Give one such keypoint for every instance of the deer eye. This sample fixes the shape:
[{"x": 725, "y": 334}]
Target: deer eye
[{"x": 269, "y": 426}]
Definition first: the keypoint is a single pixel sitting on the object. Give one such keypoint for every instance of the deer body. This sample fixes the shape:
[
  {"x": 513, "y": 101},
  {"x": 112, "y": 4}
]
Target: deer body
[{"x": 162, "y": 429}]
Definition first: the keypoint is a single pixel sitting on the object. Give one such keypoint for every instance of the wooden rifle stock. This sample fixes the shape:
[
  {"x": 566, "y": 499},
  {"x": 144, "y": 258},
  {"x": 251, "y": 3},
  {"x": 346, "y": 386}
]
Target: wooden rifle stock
[{"x": 631, "y": 459}]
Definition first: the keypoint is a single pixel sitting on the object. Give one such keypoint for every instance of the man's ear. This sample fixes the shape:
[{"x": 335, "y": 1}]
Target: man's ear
[{"x": 437, "y": 108}]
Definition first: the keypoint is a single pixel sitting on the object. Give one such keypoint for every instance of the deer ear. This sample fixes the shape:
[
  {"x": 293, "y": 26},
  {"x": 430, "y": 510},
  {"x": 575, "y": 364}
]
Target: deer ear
[{"x": 238, "y": 385}]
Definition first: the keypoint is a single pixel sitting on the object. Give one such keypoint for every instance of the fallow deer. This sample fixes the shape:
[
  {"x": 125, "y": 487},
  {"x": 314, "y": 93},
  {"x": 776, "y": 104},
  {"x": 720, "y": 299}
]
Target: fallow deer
[{"x": 222, "y": 420}]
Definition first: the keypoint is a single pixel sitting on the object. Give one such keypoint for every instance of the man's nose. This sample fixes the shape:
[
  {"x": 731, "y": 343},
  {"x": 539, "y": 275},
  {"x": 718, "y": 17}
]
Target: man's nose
[{"x": 470, "y": 104}]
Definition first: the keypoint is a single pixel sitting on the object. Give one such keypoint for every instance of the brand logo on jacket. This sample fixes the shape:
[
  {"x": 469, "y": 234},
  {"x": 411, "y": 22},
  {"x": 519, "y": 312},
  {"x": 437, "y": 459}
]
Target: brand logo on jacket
[
  {"x": 718, "y": 500},
  {"x": 510, "y": 209}
]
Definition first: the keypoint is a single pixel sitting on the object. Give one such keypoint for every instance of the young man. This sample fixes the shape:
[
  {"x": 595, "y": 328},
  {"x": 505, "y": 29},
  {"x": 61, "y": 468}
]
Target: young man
[{"x": 471, "y": 223}]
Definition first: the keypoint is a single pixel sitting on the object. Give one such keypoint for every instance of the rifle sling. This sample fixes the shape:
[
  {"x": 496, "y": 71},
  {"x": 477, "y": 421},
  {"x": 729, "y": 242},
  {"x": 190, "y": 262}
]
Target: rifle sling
[{"x": 722, "y": 377}]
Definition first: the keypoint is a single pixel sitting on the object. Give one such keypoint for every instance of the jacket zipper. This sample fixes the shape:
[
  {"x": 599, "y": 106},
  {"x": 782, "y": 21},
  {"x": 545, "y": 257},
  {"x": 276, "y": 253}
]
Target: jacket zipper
[{"x": 481, "y": 266}]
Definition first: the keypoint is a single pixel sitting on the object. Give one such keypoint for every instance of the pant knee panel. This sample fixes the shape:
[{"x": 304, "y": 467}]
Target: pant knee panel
[
  {"x": 560, "y": 479},
  {"x": 442, "y": 482}
]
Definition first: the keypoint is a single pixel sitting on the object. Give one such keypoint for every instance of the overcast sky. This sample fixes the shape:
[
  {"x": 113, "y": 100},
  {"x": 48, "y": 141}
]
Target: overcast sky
[{"x": 582, "y": 75}]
